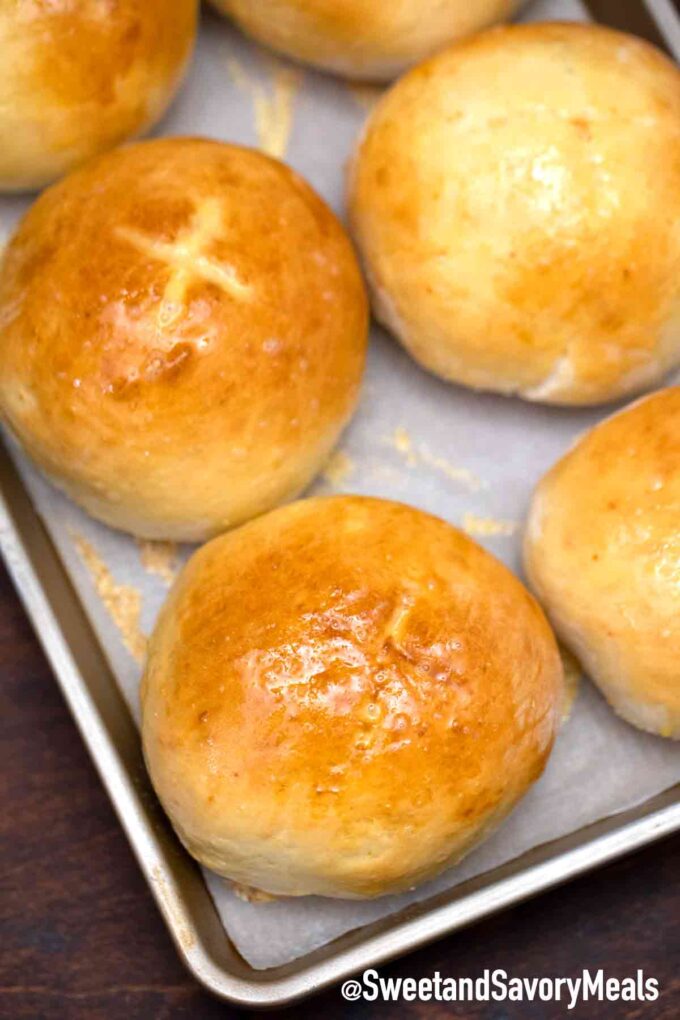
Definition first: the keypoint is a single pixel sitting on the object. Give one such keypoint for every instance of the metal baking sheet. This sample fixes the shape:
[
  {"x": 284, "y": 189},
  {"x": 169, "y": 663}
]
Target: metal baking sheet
[{"x": 266, "y": 101}]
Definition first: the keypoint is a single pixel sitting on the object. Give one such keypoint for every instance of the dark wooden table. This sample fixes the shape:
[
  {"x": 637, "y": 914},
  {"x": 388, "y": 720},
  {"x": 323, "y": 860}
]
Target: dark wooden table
[{"x": 80, "y": 938}]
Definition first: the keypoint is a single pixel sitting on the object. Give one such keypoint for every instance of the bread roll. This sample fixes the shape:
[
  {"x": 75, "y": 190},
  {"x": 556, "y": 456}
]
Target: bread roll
[
  {"x": 364, "y": 39},
  {"x": 517, "y": 203},
  {"x": 182, "y": 335},
  {"x": 78, "y": 78},
  {"x": 343, "y": 697},
  {"x": 602, "y": 552}
]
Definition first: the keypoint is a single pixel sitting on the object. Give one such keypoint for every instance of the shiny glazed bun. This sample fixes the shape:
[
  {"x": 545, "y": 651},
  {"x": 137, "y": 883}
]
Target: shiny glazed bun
[
  {"x": 182, "y": 335},
  {"x": 517, "y": 202},
  {"x": 602, "y": 551},
  {"x": 78, "y": 78},
  {"x": 364, "y": 39},
  {"x": 343, "y": 697}
]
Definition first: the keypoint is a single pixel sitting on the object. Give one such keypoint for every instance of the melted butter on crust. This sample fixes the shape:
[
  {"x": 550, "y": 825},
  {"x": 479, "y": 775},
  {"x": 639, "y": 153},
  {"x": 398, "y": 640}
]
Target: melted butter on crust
[
  {"x": 122, "y": 602},
  {"x": 364, "y": 659}
]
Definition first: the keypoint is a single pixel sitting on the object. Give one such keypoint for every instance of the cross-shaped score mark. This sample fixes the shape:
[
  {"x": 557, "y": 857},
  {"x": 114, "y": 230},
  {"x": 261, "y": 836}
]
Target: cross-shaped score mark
[{"x": 187, "y": 260}]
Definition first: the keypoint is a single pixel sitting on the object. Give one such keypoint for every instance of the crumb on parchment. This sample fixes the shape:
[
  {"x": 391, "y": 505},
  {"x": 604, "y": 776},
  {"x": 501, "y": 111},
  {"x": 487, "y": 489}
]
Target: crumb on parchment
[
  {"x": 338, "y": 468},
  {"x": 123, "y": 602},
  {"x": 487, "y": 526},
  {"x": 573, "y": 675},
  {"x": 250, "y": 895},
  {"x": 159, "y": 558},
  {"x": 273, "y": 105},
  {"x": 419, "y": 454}
]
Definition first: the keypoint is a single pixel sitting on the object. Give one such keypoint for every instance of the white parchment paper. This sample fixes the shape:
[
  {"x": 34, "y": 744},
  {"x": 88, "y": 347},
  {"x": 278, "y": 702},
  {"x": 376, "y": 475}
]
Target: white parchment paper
[{"x": 470, "y": 458}]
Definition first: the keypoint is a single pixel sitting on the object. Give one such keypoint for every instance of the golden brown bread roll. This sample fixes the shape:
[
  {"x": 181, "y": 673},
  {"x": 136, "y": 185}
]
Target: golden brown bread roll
[
  {"x": 517, "y": 199},
  {"x": 182, "y": 335},
  {"x": 343, "y": 697},
  {"x": 78, "y": 78},
  {"x": 364, "y": 39},
  {"x": 602, "y": 552}
]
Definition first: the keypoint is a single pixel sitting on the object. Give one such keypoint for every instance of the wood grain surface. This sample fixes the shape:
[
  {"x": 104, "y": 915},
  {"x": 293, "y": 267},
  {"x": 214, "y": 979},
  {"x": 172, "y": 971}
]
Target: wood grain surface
[{"x": 80, "y": 938}]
